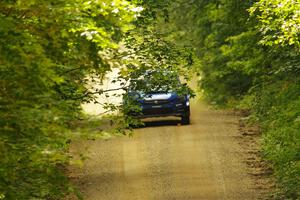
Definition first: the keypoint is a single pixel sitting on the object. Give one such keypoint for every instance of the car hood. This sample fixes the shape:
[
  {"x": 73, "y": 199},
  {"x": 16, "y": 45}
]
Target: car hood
[{"x": 159, "y": 96}]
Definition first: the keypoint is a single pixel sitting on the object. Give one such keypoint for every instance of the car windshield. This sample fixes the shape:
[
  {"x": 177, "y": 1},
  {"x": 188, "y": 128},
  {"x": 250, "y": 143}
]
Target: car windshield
[{"x": 155, "y": 82}]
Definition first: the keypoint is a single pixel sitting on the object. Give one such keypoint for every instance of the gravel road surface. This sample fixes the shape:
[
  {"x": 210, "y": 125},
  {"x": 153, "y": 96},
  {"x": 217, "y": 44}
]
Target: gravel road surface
[{"x": 166, "y": 161}]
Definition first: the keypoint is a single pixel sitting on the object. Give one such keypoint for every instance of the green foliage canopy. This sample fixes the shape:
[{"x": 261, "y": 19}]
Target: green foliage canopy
[
  {"x": 47, "y": 50},
  {"x": 278, "y": 21}
]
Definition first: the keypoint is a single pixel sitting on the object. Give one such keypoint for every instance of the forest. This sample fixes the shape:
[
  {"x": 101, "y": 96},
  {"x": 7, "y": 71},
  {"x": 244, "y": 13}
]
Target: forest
[{"x": 246, "y": 54}]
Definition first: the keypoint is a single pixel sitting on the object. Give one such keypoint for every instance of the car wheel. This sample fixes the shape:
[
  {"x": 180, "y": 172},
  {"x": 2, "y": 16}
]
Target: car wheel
[{"x": 185, "y": 119}]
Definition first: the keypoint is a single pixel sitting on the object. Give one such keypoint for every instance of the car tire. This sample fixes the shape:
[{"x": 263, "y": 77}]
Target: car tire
[{"x": 185, "y": 119}]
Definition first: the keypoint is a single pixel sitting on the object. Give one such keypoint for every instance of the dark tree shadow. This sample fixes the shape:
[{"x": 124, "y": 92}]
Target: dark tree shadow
[{"x": 160, "y": 122}]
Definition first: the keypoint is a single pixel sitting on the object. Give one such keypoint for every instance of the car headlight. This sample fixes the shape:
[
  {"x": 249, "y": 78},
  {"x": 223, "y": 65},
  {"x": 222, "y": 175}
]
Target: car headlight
[{"x": 187, "y": 103}]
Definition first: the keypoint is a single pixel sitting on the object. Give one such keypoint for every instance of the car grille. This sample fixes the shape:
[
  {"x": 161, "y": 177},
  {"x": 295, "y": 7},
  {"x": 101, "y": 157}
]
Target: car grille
[
  {"x": 156, "y": 102},
  {"x": 157, "y": 111}
]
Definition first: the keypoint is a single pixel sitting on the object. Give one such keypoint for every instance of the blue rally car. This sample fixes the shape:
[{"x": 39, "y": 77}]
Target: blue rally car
[{"x": 160, "y": 103}]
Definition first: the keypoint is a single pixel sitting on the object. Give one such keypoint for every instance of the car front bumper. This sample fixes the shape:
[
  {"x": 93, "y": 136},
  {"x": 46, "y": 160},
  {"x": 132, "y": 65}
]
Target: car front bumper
[{"x": 179, "y": 110}]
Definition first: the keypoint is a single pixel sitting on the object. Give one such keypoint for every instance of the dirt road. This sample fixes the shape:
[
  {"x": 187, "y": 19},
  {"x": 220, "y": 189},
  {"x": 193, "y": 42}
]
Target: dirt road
[{"x": 165, "y": 161}]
